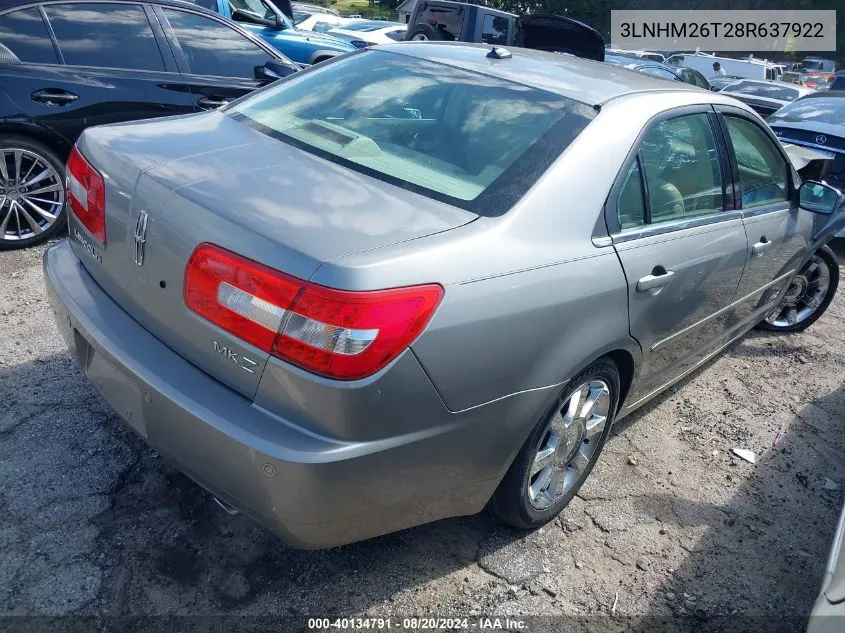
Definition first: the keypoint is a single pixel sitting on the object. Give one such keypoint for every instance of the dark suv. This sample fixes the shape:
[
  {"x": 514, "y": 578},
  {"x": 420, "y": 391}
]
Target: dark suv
[
  {"x": 464, "y": 22},
  {"x": 67, "y": 65}
]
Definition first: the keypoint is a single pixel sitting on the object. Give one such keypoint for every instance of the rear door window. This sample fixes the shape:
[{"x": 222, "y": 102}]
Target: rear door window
[
  {"x": 105, "y": 35},
  {"x": 682, "y": 168},
  {"x": 24, "y": 38},
  {"x": 213, "y": 48}
]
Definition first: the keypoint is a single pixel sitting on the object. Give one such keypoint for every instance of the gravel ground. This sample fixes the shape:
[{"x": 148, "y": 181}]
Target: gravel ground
[{"x": 670, "y": 522}]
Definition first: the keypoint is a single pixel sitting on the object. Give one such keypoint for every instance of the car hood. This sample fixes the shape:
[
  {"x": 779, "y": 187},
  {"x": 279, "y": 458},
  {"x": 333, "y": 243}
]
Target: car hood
[{"x": 317, "y": 40}]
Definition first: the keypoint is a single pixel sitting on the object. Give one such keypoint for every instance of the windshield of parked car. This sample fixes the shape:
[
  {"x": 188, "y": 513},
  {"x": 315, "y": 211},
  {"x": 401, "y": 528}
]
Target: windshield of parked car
[
  {"x": 300, "y": 16},
  {"x": 821, "y": 109},
  {"x": 475, "y": 141},
  {"x": 759, "y": 89}
]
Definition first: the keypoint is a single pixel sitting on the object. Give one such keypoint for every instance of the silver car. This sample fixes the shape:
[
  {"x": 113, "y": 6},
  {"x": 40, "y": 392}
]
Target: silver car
[{"x": 424, "y": 279}]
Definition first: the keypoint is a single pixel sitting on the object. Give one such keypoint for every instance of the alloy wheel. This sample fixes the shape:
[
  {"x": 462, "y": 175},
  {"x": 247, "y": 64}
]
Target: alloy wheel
[
  {"x": 804, "y": 296},
  {"x": 568, "y": 445},
  {"x": 32, "y": 194},
  {"x": 419, "y": 37}
]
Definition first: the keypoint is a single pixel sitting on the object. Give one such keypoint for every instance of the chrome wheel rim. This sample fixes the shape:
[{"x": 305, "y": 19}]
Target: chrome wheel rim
[
  {"x": 419, "y": 37},
  {"x": 804, "y": 295},
  {"x": 568, "y": 445},
  {"x": 32, "y": 194}
]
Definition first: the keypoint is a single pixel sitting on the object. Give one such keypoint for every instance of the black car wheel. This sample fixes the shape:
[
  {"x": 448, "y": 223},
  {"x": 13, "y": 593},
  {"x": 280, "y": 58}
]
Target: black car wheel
[
  {"x": 808, "y": 296},
  {"x": 32, "y": 193},
  {"x": 561, "y": 451}
]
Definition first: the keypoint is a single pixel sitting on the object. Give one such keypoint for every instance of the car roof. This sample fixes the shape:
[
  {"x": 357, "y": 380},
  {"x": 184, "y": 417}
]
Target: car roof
[{"x": 583, "y": 80}]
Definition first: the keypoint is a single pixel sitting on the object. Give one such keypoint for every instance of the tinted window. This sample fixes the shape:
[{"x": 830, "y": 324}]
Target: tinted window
[
  {"x": 630, "y": 208},
  {"x": 772, "y": 91},
  {"x": 474, "y": 141},
  {"x": 397, "y": 36},
  {"x": 24, "y": 34},
  {"x": 762, "y": 169},
  {"x": 657, "y": 72},
  {"x": 823, "y": 110},
  {"x": 681, "y": 165},
  {"x": 448, "y": 21},
  {"x": 255, "y": 7},
  {"x": 212, "y": 48},
  {"x": 695, "y": 78},
  {"x": 494, "y": 29},
  {"x": 108, "y": 35},
  {"x": 300, "y": 16}
]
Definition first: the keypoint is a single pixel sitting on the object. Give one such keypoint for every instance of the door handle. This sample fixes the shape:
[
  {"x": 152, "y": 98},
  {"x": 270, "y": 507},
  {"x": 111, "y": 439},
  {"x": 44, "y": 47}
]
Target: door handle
[
  {"x": 54, "y": 97},
  {"x": 761, "y": 247},
  {"x": 658, "y": 278},
  {"x": 212, "y": 103}
]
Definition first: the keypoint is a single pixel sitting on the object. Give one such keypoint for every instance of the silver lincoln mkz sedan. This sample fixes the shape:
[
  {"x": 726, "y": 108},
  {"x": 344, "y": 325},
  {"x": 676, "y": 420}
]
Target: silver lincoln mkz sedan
[{"x": 424, "y": 279}]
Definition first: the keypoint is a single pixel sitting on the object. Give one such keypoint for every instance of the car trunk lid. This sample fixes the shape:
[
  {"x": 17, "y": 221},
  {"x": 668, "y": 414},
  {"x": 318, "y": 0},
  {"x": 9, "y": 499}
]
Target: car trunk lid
[{"x": 258, "y": 197}]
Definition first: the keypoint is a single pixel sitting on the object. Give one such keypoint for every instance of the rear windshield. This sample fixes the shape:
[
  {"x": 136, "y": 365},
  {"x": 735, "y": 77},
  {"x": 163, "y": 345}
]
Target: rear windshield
[
  {"x": 474, "y": 141},
  {"x": 821, "y": 109},
  {"x": 772, "y": 91}
]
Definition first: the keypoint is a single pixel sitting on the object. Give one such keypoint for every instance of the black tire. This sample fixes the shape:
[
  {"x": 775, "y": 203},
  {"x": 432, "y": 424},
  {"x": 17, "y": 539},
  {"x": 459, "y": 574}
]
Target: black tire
[
  {"x": 510, "y": 503},
  {"x": 822, "y": 257},
  {"x": 424, "y": 32},
  {"x": 8, "y": 142}
]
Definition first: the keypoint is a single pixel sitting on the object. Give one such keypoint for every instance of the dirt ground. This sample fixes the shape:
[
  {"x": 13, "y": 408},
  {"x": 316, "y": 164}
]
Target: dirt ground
[{"x": 670, "y": 522}]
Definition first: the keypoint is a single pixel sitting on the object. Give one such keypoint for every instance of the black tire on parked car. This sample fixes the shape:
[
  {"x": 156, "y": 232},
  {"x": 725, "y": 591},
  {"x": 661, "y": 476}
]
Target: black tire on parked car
[
  {"x": 808, "y": 296},
  {"x": 561, "y": 451},
  {"x": 32, "y": 193},
  {"x": 424, "y": 32}
]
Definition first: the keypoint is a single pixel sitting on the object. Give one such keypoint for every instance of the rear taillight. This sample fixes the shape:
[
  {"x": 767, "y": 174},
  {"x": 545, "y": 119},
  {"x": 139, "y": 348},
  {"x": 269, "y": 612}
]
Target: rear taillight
[
  {"x": 86, "y": 194},
  {"x": 335, "y": 333}
]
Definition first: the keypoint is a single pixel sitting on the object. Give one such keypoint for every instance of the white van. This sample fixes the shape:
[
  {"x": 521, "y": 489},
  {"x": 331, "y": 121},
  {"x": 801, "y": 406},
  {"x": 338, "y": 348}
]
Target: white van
[{"x": 748, "y": 68}]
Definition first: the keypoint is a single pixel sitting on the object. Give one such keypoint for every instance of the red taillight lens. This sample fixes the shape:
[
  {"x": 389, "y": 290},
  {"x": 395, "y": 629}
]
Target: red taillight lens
[
  {"x": 335, "y": 333},
  {"x": 241, "y": 296},
  {"x": 86, "y": 194}
]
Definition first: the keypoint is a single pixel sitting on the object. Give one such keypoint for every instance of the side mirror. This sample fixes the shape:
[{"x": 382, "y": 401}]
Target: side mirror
[
  {"x": 273, "y": 70},
  {"x": 817, "y": 197}
]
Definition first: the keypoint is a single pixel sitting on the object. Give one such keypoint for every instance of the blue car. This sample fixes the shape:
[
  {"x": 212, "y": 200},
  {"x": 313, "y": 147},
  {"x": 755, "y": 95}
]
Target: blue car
[{"x": 268, "y": 22}]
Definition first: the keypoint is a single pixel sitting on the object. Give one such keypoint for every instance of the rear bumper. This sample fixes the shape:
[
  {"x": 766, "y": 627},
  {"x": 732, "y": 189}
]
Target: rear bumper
[{"x": 314, "y": 491}]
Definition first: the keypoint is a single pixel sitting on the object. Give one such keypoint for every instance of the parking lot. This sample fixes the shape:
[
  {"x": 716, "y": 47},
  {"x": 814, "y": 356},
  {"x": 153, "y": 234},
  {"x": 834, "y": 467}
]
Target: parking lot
[{"x": 671, "y": 522}]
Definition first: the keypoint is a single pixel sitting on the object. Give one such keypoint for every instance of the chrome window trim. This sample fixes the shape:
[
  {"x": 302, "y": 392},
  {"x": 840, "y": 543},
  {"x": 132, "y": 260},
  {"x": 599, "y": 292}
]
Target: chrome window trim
[
  {"x": 671, "y": 226},
  {"x": 784, "y": 207}
]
